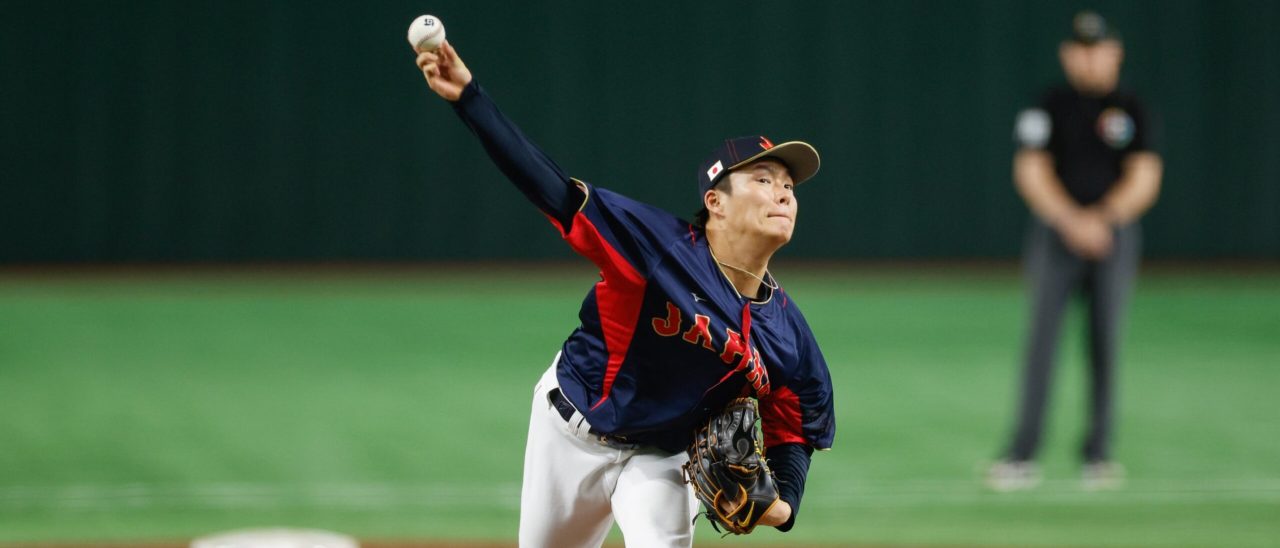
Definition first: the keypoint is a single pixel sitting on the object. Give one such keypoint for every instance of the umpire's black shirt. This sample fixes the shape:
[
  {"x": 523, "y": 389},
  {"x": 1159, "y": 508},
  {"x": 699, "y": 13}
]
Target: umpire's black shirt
[{"x": 1087, "y": 136}]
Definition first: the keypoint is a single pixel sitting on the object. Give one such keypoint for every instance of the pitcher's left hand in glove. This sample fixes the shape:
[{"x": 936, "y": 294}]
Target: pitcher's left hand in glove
[{"x": 728, "y": 471}]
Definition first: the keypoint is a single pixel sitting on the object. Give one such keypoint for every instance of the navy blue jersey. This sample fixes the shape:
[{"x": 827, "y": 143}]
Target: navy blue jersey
[{"x": 665, "y": 338}]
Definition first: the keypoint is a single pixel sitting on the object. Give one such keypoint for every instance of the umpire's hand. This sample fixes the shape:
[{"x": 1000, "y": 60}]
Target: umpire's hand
[
  {"x": 445, "y": 72},
  {"x": 1088, "y": 234}
]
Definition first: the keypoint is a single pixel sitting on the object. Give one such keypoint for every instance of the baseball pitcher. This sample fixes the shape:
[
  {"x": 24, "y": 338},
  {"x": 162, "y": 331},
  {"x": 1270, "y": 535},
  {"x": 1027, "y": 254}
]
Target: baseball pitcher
[{"x": 651, "y": 403}]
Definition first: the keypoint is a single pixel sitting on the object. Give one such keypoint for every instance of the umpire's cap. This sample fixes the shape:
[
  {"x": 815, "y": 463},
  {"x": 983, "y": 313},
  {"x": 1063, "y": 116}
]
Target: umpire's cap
[
  {"x": 800, "y": 158},
  {"x": 1089, "y": 28}
]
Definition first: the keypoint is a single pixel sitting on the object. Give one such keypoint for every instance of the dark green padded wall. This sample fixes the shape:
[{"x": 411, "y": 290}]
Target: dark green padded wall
[{"x": 288, "y": 130}]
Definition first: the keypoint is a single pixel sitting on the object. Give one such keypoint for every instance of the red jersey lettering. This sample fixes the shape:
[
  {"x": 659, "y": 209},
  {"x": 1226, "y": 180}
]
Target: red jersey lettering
[
  {"x": 670, "y": 325},
  {"x": 700, "y": 331}
]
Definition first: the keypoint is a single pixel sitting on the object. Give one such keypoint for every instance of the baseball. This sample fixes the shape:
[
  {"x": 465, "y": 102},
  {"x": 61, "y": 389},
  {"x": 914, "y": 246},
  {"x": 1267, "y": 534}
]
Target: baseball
[{"x": 426, "y": 33}]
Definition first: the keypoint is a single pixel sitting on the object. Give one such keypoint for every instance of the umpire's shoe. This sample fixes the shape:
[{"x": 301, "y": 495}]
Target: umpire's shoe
[{"x": 1012, "y": 475}]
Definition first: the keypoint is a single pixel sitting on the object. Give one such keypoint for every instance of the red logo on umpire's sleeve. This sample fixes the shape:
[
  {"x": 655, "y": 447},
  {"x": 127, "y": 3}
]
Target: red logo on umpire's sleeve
[{"x": 764, "y": 143}]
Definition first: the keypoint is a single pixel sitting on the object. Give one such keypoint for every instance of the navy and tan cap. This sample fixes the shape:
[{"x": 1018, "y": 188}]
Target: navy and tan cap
[{"x": 800, "y": 158}]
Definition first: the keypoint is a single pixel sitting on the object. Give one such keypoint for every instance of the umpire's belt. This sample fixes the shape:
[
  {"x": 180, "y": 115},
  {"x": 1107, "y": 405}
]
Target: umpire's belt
[{"x": 578, "y": 425}]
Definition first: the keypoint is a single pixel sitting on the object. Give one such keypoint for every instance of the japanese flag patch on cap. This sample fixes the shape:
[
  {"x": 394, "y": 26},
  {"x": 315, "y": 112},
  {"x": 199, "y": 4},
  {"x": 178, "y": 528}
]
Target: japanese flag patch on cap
[{"x": 715, "y": 170}]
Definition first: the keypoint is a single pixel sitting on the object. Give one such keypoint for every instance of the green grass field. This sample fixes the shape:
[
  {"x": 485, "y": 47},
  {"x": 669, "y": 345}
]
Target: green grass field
[{"x": 393, "y": 405}]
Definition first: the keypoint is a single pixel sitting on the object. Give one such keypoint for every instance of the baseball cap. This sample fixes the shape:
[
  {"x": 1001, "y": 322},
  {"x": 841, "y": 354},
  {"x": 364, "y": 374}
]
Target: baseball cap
[
  {"x": 1090, "y": 28},
  {"x": 801, "y": 159}
]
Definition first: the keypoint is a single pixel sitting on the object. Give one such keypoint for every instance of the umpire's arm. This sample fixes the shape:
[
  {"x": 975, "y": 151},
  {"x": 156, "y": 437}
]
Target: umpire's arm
[
  {"x": 1136, "y": 190},
  {"x": 1084, "y": 230}
]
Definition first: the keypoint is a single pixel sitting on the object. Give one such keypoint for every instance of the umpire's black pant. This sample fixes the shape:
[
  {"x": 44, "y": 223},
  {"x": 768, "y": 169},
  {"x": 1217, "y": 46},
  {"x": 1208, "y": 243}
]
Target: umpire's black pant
[{"x": 1053, "y": 274}]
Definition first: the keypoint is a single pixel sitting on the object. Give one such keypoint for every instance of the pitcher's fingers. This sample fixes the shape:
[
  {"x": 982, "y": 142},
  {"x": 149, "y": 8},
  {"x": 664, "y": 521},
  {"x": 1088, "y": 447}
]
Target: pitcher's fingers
[
  {"x": 427, "y": 57},
  {"x": 450, "y": 52}
]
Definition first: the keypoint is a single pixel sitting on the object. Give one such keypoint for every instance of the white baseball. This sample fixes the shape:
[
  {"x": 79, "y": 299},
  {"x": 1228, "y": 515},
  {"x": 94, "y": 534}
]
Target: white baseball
[{"x": 426, "y": 33}]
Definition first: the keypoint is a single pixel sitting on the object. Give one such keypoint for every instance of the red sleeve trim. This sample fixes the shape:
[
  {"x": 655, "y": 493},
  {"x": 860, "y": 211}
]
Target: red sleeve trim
[
  {"x": 619, "y": 294},
  {"x": 780, "y": 418}
]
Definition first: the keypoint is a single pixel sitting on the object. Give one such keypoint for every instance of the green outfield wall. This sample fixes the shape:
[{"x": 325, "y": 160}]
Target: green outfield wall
[{"x": 160, "y": 131}]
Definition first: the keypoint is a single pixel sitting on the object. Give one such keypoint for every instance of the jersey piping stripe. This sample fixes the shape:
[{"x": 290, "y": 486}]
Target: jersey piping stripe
[
  {"x": 586, "y": 195},
  {"x": 619, "y": 295}
]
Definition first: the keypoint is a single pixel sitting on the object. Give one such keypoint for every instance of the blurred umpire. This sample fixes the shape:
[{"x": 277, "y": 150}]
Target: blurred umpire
[{"x": 1087, "y": 170}]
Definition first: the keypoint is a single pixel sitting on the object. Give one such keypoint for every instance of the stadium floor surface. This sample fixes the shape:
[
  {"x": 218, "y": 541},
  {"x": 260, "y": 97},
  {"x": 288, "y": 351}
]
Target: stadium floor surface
[{"x": 145, "y": 406}]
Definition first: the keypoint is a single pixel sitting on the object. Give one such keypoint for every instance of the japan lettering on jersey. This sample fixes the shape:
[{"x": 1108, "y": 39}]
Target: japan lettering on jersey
[{"x": 665, "y": 339}]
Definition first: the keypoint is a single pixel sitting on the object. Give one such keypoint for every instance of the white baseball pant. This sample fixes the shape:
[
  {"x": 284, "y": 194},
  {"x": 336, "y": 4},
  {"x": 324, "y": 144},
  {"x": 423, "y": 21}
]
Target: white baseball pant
[{"x": 575, "y": 486}]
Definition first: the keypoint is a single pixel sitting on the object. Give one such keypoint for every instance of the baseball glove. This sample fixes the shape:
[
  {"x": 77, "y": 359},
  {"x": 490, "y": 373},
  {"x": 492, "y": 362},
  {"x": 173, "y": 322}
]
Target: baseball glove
[{"x": 728, "y": 471}]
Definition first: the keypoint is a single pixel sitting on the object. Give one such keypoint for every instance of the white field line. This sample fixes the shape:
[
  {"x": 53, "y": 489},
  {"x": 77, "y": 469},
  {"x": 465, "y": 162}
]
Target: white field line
[{"x": 382, "y": 496}]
